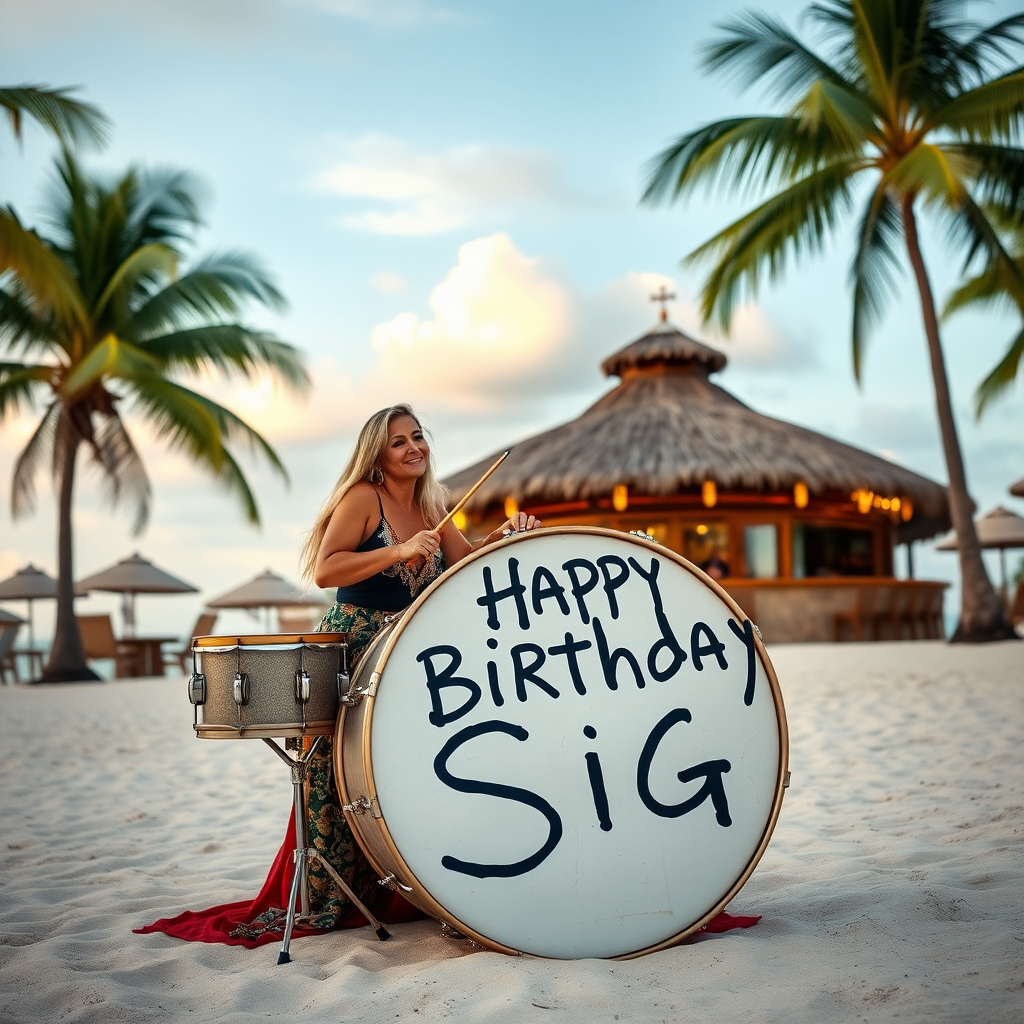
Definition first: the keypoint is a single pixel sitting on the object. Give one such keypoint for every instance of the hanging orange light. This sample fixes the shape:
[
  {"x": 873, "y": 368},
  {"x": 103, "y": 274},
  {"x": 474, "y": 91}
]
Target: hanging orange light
[
  {"x": 620, "y": 497},
  {"x": 906, "y": 510},
  {"x": 511, "y": 507},
  {"x": 800, "y": 495},
  {"x": 709, "y": 494}
]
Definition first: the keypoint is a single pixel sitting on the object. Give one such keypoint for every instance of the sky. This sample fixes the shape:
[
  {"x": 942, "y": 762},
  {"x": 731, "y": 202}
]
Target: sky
[{"x": 448, "y": 195}]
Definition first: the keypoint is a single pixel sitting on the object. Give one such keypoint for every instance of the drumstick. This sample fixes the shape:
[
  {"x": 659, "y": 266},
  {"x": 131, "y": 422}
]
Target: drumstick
[{"x": 469, "y": 494}]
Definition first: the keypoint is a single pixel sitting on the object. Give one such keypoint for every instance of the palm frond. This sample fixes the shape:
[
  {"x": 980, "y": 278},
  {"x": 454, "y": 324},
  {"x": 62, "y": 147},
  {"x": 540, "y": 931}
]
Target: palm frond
[
  {"x": 230, "y": 348},
  {"x": 969, "y": 228},
  {"x": 789, "y": 224},
  {"x": 742, "y": 154},
  {"x": 20, "y": 384},
  {"x": 21, "y": 328},
  {"x": 121, "y": 468},
  {"x": 1002, "y": 377},
  {"x": 26, "y": 468},
  {"x": 71, "y": 120},
  {"x": 146, "y": 263},
  {"x": 990, "y": 112},
  {"x": 989, "y": 44},
  {"x": 935, "y": 172},
  {"x": 998, "y": 177},
  {"x": 43, "y": 273},
  {"x": 166, "y": 206},
  {"x": 111, "y": 357},
  {"x": 198, "y": 426},
  {"x": 180, "y": 419},
  {"x": 236, "y": 431},
  {"x": 875, "y": 267},
  {"x": 233, "y": 479},
  {"x": 991, "y": 288},
  {"x": 756, "y": 46},
  {"x": 217, "y": 286}
]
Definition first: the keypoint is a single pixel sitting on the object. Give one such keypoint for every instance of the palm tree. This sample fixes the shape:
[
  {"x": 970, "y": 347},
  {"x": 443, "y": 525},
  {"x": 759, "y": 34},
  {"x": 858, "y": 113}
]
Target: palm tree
[
  {"x": 912, "y": 104},
  {"x": 96, "y": 324},
  {"x": 70, "y": 120},
  {"x": 994, "y": 286}
]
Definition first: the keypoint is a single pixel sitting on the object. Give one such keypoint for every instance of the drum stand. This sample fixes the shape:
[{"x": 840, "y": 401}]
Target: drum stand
[{"x": 299, "y": 766}]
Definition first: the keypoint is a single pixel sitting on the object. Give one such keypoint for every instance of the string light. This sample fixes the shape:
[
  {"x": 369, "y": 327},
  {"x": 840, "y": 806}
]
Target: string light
[
  {"x": 867, "y": 500},
  {"x": 800, "y": 495},
  {"x": 620, "y": 497},
  {"x": 511, "y": 507},
  {"x": 709, "y": 494}
]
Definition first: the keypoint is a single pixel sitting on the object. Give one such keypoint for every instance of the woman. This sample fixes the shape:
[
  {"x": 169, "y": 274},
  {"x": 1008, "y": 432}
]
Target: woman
[{"x": 375, "y": 540}]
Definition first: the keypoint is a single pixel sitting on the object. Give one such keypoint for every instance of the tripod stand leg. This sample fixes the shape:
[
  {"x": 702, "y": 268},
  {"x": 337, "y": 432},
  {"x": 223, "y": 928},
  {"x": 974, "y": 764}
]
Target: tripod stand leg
[
  {"x": 382, "y": 932},
  {"x": 300, "y": 870}
]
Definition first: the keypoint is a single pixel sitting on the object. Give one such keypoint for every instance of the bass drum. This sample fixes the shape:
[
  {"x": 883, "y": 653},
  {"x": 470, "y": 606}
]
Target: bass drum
[{"x": 571, "y": 745}]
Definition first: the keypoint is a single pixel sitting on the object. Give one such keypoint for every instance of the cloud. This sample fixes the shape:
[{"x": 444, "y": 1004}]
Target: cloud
[
  {"x": 388, "y": 282},
  {"x": 220, "y": 19},
  {"x": 384, "y": 13},
  {"x": 508, "y": 340},
  {"x": 429, "y": 193},
  {"x": 498, "y": 318}
]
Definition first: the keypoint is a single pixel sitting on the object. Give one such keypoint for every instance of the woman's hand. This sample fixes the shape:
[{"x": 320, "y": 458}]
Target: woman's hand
[
  {"x": 423, "y": 545},
  {"x": 520, "y": 523}
]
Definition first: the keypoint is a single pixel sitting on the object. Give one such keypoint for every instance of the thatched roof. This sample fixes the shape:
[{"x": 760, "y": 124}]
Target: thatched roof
[
  {"x": 666, "y": 427},
  {"x": 1017, "y": 489}
]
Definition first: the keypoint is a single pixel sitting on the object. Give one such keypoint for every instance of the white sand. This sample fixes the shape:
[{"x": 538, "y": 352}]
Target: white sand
[{"x": 892, "y": 889}]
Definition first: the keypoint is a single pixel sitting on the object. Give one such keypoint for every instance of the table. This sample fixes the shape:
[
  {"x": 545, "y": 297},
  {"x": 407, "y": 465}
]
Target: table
[{"x": 142, "y": 655}]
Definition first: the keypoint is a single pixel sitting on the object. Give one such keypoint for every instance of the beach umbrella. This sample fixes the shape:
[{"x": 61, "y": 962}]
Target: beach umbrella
[
  {"x": 268, "y": 590},
  {"x": 29, "y": 584},
  {"x": 1000, "y": 529},
  {"x": 1017, "y": 489},
  {"x": 131, "y": 576},
  {"x": 7, "y": 619}
]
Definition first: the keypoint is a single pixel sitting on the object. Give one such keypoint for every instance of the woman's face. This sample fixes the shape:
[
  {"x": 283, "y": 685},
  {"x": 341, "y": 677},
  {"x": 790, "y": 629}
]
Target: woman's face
[{"x": 406, "y": 453}]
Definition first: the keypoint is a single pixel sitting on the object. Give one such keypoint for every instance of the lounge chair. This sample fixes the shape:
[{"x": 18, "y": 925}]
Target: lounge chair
[
  {"x": 99, "y": 642},
  {"x": 8, "y": 665},
  {"x": 203, "y": 627}
]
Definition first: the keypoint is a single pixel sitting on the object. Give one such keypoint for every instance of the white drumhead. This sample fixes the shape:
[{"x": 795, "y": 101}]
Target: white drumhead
[{"x": 559, "y": 825}]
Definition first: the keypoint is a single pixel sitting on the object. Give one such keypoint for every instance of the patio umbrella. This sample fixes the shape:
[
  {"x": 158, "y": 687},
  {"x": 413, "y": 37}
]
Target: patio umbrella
[
  {"x": 1017, "y": 489},
  {"x": 1000, "y": 529},
  {"x": 133, "y": 576},
  {"x": 268, "y": 590},
  {"x": 29, "y": 584},
  {"x": 7, "y": 619}
]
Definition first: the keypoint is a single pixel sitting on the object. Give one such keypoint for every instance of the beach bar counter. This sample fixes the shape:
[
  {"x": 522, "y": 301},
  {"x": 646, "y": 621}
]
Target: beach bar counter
[{"x": 800, "y": 528}]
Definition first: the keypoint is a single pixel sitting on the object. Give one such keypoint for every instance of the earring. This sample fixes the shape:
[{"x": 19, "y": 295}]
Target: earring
[{"x": 376, "y": 475}]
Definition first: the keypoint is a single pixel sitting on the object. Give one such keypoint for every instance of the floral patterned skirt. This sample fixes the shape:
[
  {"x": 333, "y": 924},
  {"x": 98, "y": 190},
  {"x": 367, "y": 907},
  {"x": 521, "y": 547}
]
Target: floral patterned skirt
[{"x": 326, "y": 827}]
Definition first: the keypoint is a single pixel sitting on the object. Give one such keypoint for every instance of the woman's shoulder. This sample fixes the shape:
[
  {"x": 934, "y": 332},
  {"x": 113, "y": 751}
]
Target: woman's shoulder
[{"x": 361, "y": 497}]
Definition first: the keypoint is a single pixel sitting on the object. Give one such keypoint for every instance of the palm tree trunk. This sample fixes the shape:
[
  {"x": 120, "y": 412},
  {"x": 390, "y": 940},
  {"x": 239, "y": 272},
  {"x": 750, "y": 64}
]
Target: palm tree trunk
[
  {"x": 981, "y": 614},
  {"x": 67, "y": 656}
]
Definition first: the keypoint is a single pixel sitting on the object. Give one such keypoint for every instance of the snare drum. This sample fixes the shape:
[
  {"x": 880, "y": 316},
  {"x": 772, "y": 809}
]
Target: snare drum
[
  {"x": 572, "y": 744},
  {"x": 255, "y": 687}
]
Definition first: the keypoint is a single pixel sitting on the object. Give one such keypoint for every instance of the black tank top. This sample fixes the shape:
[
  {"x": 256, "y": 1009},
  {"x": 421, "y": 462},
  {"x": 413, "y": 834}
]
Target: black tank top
[{"x": 395, "y": 587}]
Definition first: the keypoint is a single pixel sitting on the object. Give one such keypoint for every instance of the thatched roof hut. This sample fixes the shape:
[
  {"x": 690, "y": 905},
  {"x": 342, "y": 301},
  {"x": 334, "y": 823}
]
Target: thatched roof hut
[{"x": 666, "y": 429}]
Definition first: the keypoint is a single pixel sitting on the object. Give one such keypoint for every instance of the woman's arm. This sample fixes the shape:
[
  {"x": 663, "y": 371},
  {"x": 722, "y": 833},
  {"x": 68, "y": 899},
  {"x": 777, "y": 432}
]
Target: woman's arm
[
  {"x": 456, "y": 547},
  {"x": 338, "y": 564}
]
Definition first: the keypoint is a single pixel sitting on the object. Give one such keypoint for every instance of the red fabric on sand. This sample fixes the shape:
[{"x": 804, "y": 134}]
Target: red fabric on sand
[{"x": 217, "y": 923}]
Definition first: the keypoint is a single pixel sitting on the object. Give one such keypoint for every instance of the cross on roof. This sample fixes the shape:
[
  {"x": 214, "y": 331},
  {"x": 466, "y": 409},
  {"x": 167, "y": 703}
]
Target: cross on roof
[{"x": 664, "y": 297}]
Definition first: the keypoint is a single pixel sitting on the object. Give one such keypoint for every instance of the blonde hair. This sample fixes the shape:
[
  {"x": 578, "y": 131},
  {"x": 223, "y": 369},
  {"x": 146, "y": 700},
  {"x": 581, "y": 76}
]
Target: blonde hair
[{"x": 430, "y": 495}]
